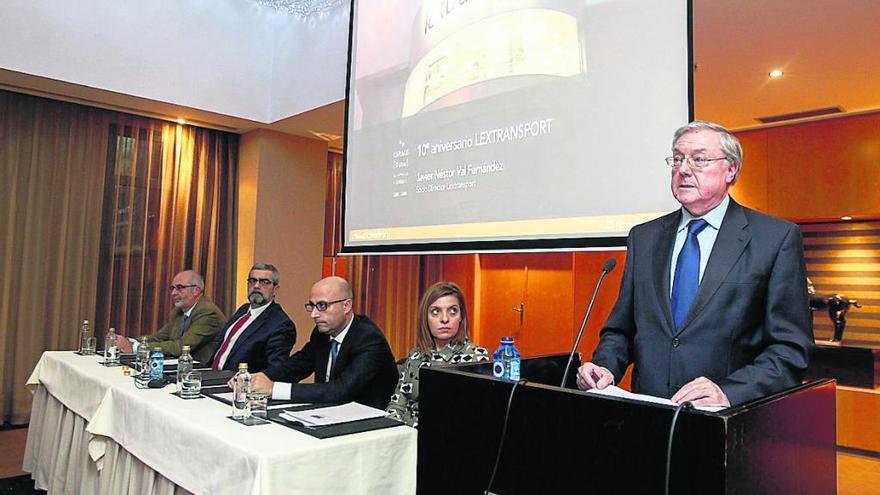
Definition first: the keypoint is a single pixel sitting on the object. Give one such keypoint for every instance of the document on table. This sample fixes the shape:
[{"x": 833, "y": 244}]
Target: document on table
[
  {"x": 227, "y": 396},
  {"x": 286, "y": 405},
  {"x": 324, "y": 416},
  {"x": 614, "y": 391}
]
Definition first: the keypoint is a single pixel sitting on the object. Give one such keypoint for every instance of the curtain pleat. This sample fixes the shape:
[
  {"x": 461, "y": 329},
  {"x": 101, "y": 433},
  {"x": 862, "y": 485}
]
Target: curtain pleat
[
  {"x": 52, "y": 159},
  {"x": 98, "y": 211},
  {"x": 388, "y": 290},
  {"x": 172, "y": 193}
]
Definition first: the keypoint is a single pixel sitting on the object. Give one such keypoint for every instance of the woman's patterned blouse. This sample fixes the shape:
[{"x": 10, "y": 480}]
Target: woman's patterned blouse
[{"x": 404, "y": 404}]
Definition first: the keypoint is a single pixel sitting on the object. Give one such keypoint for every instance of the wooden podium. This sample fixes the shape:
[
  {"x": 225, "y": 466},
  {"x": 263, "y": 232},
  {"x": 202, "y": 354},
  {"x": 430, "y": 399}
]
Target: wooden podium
[{"x": 561, "y": 440}]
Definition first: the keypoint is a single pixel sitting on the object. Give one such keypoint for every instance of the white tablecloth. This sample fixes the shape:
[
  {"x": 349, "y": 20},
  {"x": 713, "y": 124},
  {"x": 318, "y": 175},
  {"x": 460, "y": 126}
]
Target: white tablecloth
[{"x": 92, "y": 431}]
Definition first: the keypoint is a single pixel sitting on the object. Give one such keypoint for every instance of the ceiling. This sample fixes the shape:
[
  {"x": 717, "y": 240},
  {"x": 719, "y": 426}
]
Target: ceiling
[
  {"x": 828, "y": 49},
  {"x": 324, "y": 122}
]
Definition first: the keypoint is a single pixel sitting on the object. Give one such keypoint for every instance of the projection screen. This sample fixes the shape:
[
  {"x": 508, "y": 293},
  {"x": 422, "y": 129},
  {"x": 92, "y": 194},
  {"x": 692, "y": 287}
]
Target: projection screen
[{"x": 516, "y": 124}]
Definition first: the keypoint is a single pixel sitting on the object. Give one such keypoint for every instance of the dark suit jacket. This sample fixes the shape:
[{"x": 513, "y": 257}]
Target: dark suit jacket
[
  {"x": 199, "y": 332},
  {"x": 749, "y": 329},
  {"x": 268, "y": 340},
  {"x": 365, "y": 371}
]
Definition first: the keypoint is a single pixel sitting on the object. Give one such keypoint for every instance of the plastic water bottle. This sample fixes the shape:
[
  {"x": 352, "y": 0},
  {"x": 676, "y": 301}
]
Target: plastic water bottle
[
  {"x": 157, "y": 364},
  {"x": 143, "y": 356},
  {"x": 111, "y": 352},
  {"x": 143, "y": 361},
  {"x": 241, "y": 386},
  {"x": 506, "y": 360},
  {"x": 84, "y": 333},
  {"x": 184, "y": 365}
]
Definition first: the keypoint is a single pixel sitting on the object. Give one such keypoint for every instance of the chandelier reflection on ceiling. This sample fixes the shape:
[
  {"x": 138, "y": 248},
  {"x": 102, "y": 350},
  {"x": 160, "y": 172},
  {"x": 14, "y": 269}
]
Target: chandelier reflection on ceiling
[{"x": 304, "y": 8}]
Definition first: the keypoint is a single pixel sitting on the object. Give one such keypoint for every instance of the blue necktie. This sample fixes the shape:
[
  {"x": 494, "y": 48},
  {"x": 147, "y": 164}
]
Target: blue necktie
[{"x": 687, "y": 273}]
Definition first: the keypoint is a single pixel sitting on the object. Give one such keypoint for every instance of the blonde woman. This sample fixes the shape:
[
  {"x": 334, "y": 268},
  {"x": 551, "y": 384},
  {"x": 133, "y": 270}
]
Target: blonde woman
[{"x": 443, "y": 338}]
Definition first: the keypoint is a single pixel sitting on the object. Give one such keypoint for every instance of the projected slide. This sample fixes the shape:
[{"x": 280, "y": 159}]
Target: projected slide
[{"x": 472, "y": 121}]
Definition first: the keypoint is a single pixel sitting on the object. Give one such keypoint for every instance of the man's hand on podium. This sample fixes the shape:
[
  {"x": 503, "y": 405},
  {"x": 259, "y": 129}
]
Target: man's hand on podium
[
  {"x": 701, "y": 392},
  {"x": 593, "y": 376}
]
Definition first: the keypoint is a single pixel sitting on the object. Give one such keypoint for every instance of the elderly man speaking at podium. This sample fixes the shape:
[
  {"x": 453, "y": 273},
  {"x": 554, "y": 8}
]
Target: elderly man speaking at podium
[{"x": 713, "y": 306}]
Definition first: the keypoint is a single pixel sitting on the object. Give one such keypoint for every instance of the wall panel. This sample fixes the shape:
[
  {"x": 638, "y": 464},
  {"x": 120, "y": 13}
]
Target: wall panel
[
  {"x": 543, "y": 284},
  {"x": 587, "y": 266},
  {"x": 844, "y": 258},
  {"x": 825, "y": 169},
  {"x": 751, "y": 187}
]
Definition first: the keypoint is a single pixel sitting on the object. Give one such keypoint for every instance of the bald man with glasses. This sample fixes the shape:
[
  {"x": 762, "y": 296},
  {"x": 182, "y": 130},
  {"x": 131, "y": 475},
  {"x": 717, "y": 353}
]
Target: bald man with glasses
[{"x": 348, "y": 354}]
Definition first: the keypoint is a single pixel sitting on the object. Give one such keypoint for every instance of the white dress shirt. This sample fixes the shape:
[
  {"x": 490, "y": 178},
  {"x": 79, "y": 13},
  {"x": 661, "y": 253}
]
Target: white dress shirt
[
  {"x": 706, "y": 237},
  {"x": 254, "y": 314},
  {"x": 281, "y": 390}
]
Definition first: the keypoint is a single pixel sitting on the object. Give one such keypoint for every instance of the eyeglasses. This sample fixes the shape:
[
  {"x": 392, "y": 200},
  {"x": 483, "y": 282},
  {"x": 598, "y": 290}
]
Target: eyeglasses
[
  {"x": 265, "y": 282},
  {"x": 180, "y": 287},
  {"x": 322, "y": 305},
  {"x": 698, "y": 163}
]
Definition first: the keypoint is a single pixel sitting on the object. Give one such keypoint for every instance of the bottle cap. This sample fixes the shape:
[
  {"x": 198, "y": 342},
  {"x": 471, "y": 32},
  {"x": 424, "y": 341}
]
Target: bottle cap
[
  {"x": 242, "y": 366},
  {"x": 506, "y": 340},
  {"x": 186, "y": 348},
  {"x": 157, "y": 348}
]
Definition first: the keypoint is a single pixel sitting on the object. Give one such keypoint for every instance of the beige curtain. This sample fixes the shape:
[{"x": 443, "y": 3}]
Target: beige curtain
[
  {"x": 333, "y": 204},
  {"x": 52, "y": 162},
  {"x": 388, "y": 289},
  {"x": 98, "y": 210},
  {"x": 168, "y": 207}
]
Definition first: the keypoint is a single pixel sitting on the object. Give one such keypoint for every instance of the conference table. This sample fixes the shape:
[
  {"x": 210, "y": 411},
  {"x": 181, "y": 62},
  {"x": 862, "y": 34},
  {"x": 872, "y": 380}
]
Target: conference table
[{"x": 93, "y": 431}]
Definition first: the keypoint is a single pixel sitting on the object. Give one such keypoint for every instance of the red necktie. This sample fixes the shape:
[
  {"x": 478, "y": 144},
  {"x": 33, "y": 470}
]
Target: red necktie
[{"x": 232, "y": 333}]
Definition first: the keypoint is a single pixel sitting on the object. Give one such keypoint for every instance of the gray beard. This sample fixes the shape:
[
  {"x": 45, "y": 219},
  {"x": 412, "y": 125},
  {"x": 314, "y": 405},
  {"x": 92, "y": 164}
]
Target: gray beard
[{"x": 257, "y": 299}]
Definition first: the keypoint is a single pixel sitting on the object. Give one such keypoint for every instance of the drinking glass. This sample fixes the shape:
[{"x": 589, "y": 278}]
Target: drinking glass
[
  {"x": 191, "y": 385},
  {"x": 259, "y": 401},
  {"x": 91, "y": 344}
]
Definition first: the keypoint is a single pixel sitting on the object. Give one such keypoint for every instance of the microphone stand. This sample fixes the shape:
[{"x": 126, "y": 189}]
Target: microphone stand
[{"x": 609, "y": 265}]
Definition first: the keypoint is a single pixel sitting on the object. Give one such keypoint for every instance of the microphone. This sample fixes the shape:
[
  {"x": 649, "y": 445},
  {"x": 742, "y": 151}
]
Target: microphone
[{"x": 609, "y": 265}]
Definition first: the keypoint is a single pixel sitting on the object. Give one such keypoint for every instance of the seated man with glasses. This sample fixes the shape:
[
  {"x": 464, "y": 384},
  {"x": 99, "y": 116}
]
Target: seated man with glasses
[
  {"x": 347, "y": 353},
  {"x": 194, "y": 321},
  {"x": 259, "y": 333}
]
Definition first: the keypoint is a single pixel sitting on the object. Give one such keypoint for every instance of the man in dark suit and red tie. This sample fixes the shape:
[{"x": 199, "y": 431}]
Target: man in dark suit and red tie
[
  {"x": 713, "y": 307},
  {"x": 259, "y": 333}
]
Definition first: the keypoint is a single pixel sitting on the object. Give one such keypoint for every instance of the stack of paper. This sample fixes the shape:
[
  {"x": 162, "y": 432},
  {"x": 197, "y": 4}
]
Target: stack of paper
[
  {"x": 614, "y": 391},
  {"x": 324, "y": 416}
]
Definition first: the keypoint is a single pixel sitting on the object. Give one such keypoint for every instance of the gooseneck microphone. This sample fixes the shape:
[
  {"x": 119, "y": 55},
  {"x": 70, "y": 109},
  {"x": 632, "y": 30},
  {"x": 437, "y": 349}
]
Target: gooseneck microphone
[{"x": 609, "y": 265}]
